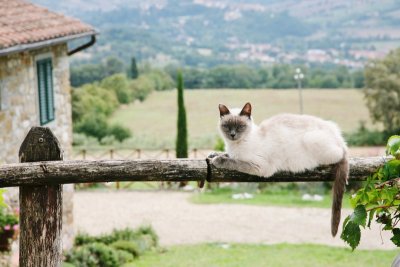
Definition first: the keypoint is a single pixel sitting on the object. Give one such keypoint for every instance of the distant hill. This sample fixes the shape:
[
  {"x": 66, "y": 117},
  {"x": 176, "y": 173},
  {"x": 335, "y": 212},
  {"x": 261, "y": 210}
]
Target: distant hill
[{"x": 206, "y": 32}]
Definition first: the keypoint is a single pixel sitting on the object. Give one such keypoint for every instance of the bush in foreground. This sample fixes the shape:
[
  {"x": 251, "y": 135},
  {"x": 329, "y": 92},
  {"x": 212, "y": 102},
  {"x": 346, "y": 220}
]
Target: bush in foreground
[{"x": 111, "y": 250}]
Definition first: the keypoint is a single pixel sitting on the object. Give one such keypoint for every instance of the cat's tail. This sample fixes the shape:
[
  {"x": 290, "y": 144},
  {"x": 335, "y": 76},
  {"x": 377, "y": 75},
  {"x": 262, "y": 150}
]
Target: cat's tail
[{"x": 341, "y": 173}]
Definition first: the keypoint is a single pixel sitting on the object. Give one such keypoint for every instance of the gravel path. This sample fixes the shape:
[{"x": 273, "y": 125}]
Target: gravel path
[{"x": 177, "y": 221}]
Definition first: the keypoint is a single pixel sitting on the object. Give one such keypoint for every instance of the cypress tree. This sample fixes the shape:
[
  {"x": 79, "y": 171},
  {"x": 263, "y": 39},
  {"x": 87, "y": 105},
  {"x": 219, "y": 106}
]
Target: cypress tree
[
  {"x": 181, "y": 140},
  {"x": 134, "y": 73}
]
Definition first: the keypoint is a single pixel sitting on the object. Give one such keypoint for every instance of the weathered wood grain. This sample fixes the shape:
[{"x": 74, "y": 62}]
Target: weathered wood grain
[
  {"x": 360, "y": 168},
  {"x": 40, "y": 206},
  {"x": 64, "y": 172}
]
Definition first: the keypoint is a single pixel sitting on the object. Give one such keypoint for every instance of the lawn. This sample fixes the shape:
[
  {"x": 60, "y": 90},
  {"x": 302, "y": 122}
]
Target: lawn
[
  {"x": 273, "y": 197},
  {"x": 288, "y": 198},
  {"x": 153, "y": 122},
  {"x": 281, "y": 255}
]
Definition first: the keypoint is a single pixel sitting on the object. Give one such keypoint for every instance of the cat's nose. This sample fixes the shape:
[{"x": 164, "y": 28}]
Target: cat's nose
[{"x": 233, "y": 135}]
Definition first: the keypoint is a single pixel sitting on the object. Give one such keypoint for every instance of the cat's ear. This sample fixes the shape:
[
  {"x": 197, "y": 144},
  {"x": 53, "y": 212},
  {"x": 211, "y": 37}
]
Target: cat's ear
[
  {"x": 246, "y": 111},
  {"x": 223, "y": 110}
]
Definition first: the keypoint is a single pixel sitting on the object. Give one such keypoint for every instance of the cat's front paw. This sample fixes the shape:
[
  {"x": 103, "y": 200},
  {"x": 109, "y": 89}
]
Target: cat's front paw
[
  {"x": 216, "y": 154},
  {"x": 219, "y": 161}
]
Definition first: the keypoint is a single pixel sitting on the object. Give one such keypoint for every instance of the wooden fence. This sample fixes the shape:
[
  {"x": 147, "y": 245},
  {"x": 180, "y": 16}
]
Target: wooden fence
[
  {"x": 42, "y": 172},
  {"x": 137, "y": 153}
]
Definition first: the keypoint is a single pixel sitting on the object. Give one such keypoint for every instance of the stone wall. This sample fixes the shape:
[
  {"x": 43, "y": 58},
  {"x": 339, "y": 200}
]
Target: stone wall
[{"x": 19, "y": 111}]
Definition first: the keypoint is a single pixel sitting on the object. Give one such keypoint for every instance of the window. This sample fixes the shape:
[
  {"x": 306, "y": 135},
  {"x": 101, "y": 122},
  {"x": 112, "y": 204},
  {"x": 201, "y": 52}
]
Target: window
[{"x": 45, "y": 87}]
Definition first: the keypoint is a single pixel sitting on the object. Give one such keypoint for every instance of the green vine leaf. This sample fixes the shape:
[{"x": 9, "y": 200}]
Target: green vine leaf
[
  {"x": 373, "y": 196},
  {"x": 396, "y": 236},
  {"x": 351, "y": 233},
  {"x": 393, "y": 168},
  {"x": 393, "y": 146},
  {"x": 359, "y": 215}
]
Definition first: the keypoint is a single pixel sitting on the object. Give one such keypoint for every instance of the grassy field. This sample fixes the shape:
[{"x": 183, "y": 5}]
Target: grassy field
[
  {"x": 285, "y": 199},
  {"x": 153, "y": 122},
  {"x": 281, "y": 255}
]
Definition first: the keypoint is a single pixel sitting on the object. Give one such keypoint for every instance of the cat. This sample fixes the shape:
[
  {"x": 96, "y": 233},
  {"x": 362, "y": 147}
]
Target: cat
[{"x": 286, "y": 142}]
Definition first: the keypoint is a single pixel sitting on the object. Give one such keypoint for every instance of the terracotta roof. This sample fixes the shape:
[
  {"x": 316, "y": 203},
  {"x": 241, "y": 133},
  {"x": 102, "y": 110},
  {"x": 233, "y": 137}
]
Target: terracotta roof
[{"x": 24, "y": 23}]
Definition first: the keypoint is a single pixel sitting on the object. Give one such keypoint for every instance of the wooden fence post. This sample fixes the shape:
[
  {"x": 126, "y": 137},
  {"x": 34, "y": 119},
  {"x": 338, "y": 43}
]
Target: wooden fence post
[{"x": 40, "y": 206}]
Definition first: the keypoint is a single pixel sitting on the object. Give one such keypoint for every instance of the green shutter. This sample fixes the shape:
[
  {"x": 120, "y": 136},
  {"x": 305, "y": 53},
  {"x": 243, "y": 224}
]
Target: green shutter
[
  {"x": 50, "y": 97},
  {"x": 42, "y": 92},
  {"x": 45, "y": 88}
]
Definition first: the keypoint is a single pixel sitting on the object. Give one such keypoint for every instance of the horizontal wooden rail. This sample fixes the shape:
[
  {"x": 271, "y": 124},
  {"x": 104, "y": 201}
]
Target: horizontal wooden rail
[{"x": 84, "y": 171}]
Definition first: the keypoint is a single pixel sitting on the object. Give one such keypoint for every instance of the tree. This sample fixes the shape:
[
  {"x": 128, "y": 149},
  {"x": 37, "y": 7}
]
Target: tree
[
  {"x": 114, "y": 65},
  {"x": 92, "y": 124},
  {"x": 87, "y": 74},
  {"x": 358, "y": 79},
  {"x": 90, "y": 73},
  {"x": 141, "y": 87},
  {"x": 382, "y": 91},
  {"x": 118, "y": 83},
  {"x": 133, "y": 71},
  {"x": 329, "y": 81},
  {"x": 92, "y": 99},
  {"x": 181, "y": 139}
]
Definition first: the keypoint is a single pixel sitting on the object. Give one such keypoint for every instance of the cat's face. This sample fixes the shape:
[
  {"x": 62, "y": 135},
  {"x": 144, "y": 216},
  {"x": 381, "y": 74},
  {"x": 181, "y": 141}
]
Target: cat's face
[{"x": 235, "y": 124}]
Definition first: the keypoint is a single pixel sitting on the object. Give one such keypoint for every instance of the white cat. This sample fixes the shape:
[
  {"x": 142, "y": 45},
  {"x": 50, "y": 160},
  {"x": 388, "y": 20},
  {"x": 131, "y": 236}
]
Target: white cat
[{"x": 286, "y": 142}]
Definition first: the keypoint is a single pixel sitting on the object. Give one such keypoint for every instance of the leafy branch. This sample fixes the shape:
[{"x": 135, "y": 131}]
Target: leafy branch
[{"x": 379, "y": 199}]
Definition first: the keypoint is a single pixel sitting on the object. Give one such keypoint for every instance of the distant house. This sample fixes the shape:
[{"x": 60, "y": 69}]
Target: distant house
[
  {"x": 34, "y": 73},
  {"x": 34, "y": 80}
]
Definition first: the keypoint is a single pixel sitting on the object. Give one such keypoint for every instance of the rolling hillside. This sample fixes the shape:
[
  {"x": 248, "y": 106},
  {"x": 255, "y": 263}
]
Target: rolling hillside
[{"x": 206, "y": 33}]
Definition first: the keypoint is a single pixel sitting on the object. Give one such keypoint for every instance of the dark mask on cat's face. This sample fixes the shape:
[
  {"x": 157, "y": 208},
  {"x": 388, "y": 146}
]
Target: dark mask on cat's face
[{"x": 235, "y": 126}]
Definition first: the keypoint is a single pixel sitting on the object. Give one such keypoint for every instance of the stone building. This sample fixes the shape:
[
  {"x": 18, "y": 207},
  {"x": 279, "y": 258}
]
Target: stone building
[{"x": 35, "y": 45}]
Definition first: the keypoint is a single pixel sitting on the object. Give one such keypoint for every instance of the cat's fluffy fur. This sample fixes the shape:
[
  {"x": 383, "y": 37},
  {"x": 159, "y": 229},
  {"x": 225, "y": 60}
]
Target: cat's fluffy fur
[{"x": 286, "y": 142}]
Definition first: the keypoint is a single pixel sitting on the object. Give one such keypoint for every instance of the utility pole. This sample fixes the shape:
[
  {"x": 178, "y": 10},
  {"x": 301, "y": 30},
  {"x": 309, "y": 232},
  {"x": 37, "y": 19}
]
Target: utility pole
[{"x": 299, "y": 76}]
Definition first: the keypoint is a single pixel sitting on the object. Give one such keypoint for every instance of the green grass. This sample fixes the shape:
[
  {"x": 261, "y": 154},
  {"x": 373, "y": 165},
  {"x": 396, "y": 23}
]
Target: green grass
[
  {"x": 281, "y": 255},
  {"x": 153, "y": 122},
  {"x": 282, "y": 198}
]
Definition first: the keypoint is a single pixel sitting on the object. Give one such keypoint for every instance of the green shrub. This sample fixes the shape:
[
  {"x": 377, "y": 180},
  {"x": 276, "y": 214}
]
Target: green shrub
[
  {"x": 124, "y": 256},
  {"x": 365, "y": 137},
  {"x": 141, "y": 87},
  {"x": 219, "y": 145},
  {"x": 119, "y": 132},
  {"x": 149, "y": 231},
  {"x": 92, "y": 124},
  {"x": 109, "y": 250},
  {"x": 129, "y": 246},
  {"x": 126, "y": 234},
  {"x": 118, "y": 83},
  {"x": 81, "y": 139},
  {"x": 90, "y": 99},
  {"x": 145, "y": 242},
  {"x": 162, "y": 81},
  {"x": 66, "y": 264},
  {"x": 93, "y": 255},
  {"x": 108, "y": 140},
  {"x": 84, "y": 239}
]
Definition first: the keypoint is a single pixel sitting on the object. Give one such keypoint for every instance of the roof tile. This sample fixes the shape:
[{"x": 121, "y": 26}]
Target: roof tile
[{"x": 22, "y": 23}]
